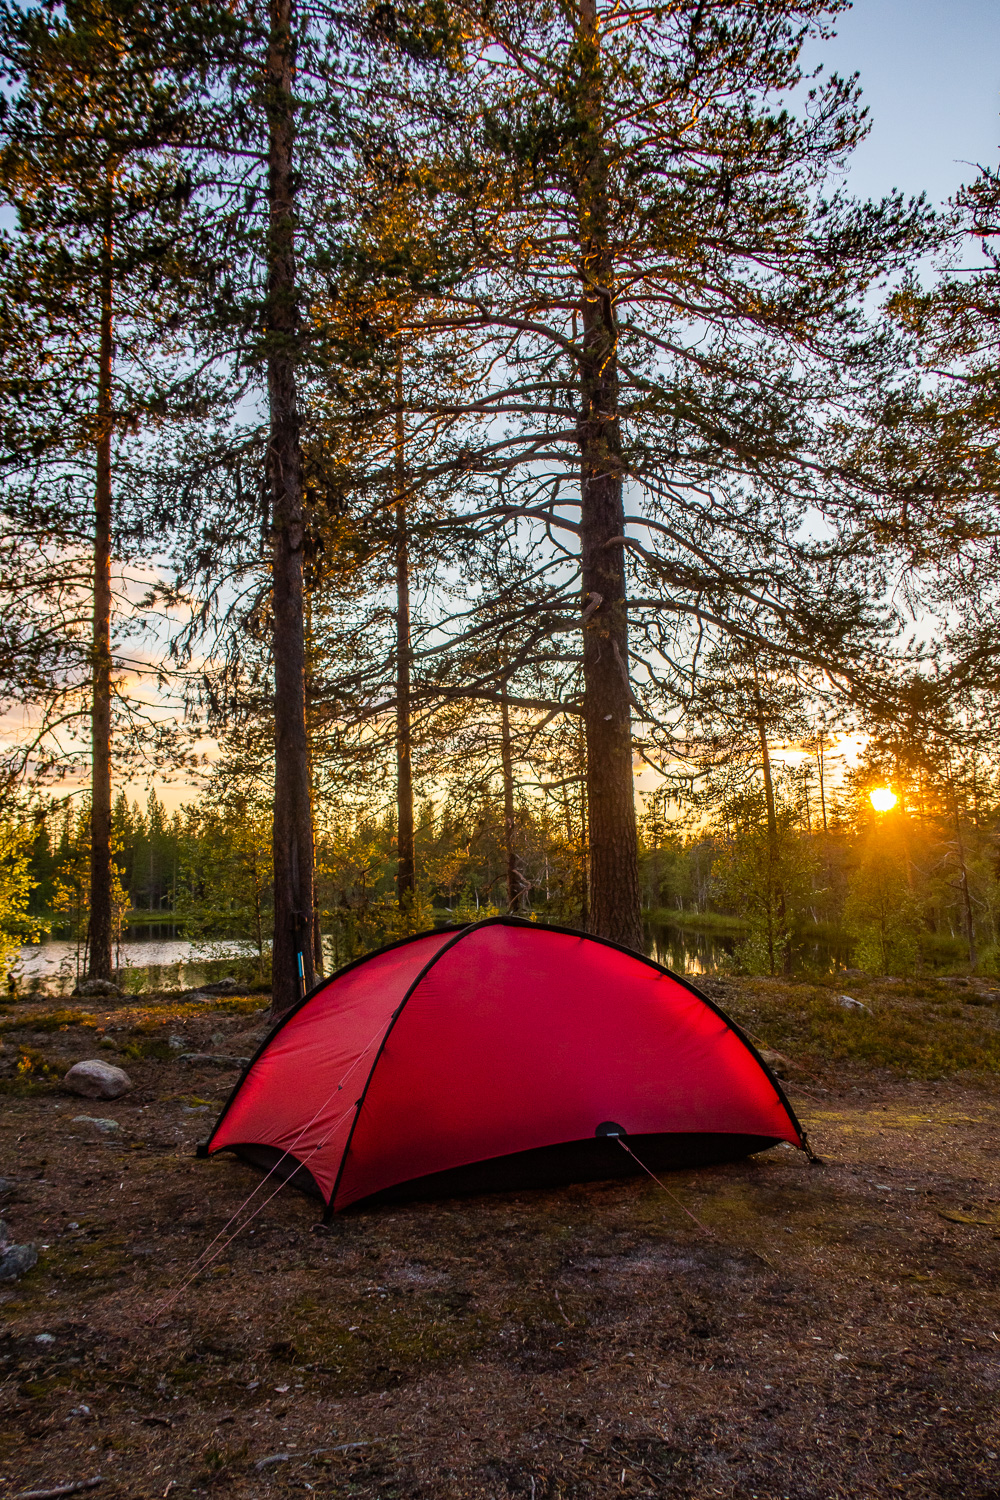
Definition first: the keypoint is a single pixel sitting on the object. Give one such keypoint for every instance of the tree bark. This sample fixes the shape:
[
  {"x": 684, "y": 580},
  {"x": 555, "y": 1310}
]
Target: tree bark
[
  {"x": 516, "y": 886},
  {"x": 584, "y": 861},
  {"x": 822, "y": 777},
  {"x": 317, "y": 921},
  {"x": 292, "y": 952},
  {"x": 777, "y": 899},
  {"x": 615, "y": 910},
  {"x": 970, "y": 921},
  {"x": 101, "y": 916},
  {"x": 405, "y": 862}
]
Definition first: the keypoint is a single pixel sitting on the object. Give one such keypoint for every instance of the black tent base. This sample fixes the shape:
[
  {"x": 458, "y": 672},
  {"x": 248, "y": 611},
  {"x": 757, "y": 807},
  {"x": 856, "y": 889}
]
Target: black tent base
[{"x": 595, "y": 1160}]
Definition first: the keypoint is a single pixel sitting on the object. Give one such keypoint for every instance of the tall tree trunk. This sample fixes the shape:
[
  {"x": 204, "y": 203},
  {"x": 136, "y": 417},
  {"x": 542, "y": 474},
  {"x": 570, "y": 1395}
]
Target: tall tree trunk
[
  {"x": 970, "y": 921},
  {"x": 774, "y": 879},
  {"x": 405, "y": 865},
  {"x": 584, "y": 841},
  {"x": 615, "y": 910},
  {"x": 820, "y": 762},
  {"x": 317, "y": 921},
  {"x": 516, "y": 888},
  {"x": 292, "y": 953},
  {"x": 100, "y": 933}
]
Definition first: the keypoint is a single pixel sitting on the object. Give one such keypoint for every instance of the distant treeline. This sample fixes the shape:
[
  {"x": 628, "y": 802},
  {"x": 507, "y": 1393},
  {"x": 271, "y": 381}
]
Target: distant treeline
[{"x": 917, "y": 886}]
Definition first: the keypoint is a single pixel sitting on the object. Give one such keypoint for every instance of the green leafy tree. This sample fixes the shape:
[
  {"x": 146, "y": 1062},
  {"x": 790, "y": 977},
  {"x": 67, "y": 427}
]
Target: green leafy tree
[
  {"x": 17, "y": 926},
  {"x": 881, "y": 911},
  {"x": 763, "y": 872},
  {"x": 225, "y": 885}
]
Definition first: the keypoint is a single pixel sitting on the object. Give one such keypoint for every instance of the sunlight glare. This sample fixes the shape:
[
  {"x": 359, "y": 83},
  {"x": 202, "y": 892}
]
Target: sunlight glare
[{"x": 882, "y": 799}]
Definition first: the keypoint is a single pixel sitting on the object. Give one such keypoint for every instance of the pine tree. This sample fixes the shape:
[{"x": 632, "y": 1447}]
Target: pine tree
[
  {"x": 668, "y": 304},
  {"x": 94, "y": 279},
  {"x": 287, "y": 97},
  {"x": 937, "y": 440}
]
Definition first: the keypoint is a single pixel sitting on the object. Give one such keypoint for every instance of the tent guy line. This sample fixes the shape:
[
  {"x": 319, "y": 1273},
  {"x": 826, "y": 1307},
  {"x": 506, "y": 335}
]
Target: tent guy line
[
  {"x": 625, "y": 1147},
  {"x": 289, "y": 1149},
  {"x": 201, "y": 1264}
]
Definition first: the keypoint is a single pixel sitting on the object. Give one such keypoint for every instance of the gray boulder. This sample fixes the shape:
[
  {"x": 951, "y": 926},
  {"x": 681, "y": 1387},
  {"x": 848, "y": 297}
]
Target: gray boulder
[
  {"x": 94, "y": 1079},
  {"x": 225, "y": 987},
  {"x": 15, "y": 1260},
  {"x": 91, "y": 989},
  {"x": 106, "y": 1127}
]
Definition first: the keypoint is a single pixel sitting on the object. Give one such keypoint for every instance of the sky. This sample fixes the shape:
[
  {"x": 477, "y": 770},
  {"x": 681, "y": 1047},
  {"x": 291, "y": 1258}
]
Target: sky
[{"x": 930, "y": 75}]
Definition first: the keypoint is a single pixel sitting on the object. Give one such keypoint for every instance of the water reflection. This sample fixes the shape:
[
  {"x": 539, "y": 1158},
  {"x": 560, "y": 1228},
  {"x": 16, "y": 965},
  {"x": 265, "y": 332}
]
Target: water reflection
[
  {"x": 170, "y": 963},
  {"x": 693, "y": 950},
  {"x": 687, "y": 950},
  {"x": 148, "y": 964}
]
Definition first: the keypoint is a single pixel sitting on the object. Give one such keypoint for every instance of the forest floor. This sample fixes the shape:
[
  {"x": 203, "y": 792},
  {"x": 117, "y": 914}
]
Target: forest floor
[{"x": 821, "y": 1331}]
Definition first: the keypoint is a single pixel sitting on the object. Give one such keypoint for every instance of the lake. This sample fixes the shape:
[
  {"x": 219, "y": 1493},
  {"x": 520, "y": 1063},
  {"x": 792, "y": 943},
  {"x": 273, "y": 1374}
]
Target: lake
[
  {"x": 153, "y": 963},
  {"x": 697, "y": 950},
  {"x": 169, "y": 963}
]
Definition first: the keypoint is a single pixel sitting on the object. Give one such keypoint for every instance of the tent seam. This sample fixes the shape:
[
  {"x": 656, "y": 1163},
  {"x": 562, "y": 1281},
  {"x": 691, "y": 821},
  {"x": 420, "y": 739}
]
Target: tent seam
[
  {"x": 519, "y": 922},
  {"x": 289, "y": 1015},
  {"x": 445, "y": 948}
]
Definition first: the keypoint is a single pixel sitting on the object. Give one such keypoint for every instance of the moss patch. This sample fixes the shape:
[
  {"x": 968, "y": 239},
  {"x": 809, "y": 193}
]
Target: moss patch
[
  {"x": 54, "y": 1020},
  {"x": 920, "y": 1030}
]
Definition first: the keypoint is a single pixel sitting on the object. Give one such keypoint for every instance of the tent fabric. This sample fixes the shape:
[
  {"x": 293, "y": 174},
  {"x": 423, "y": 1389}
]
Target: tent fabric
[{"x": 503, "y": 1041}]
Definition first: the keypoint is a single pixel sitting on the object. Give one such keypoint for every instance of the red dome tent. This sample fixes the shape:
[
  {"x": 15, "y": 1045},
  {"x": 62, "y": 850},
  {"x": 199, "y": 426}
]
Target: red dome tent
[{"x": 499, "y": 1055}]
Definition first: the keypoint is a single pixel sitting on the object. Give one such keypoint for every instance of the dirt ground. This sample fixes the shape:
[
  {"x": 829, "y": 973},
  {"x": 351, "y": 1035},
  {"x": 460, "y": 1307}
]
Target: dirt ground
[{"x": 820, "y": 1331}]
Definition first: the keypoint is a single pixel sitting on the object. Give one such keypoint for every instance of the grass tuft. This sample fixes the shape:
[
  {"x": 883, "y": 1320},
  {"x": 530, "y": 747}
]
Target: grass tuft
[
  {"x": 53, "y": 1020},
  {"x": 917, "y": 1030}
]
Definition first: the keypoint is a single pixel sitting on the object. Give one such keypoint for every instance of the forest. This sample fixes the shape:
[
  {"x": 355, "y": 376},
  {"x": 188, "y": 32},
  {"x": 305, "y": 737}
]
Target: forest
[
  {"x": 500, "y": 566},
  {"x": 488, "y": 462}
]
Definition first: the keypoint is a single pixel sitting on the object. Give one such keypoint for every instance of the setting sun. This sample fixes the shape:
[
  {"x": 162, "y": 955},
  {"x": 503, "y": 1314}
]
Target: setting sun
[{"x": 882, "y": 799}]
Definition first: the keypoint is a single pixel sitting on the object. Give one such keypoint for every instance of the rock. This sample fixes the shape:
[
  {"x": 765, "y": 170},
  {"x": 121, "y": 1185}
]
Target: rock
[
  {"x": 107, "y": 1127},
  {"x": 15, "y": 1260},
  {"x": 846, "y": 1003},
  {"x": 7, "y": 1184},
  {"x": 212, "y": 1059},
  {"x": 271, "y": 1460},
  {"x": 226, "y": 987},
  {"x": 958, "y": 980},
  {"x": 89, "y": 989},
  {"x": 4, "y": 1234},
  {"x": 176, "y": 1043},
  {"x": 778, "y": 1062},
  {"x": 94, "y": 1079}
]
